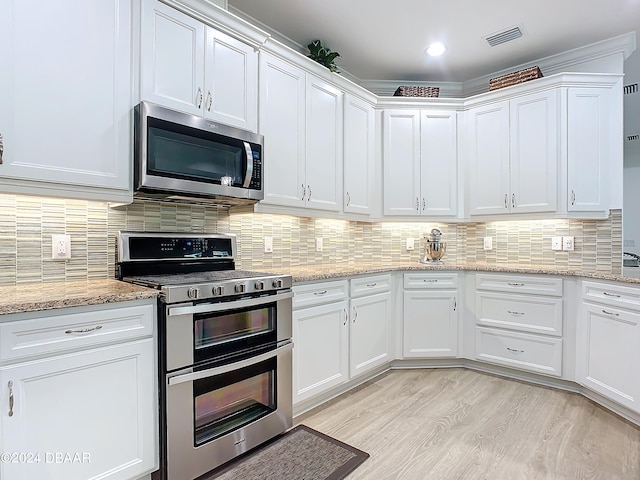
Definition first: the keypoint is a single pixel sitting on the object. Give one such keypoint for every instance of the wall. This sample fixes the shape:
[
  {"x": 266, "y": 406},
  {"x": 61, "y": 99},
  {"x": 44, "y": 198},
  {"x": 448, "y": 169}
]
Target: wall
[{"x": 27, "y": 223}]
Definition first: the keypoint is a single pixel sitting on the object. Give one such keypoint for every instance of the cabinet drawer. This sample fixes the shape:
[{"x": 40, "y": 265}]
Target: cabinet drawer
[
  {"x": 535, "y": 353},
  {"x": 431, "y": 280},
  {"x": 527, "y": 313},
  {"x": 57, "y": 333},
  {"x": 538, "y": 285},
  {"x": 616, "y": 295},
  {"x": 369, "y": 285},
  {"x": 319, "y": 293}
]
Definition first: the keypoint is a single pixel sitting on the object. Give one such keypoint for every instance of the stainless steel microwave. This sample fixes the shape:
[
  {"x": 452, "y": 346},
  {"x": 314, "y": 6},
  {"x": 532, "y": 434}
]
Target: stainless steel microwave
[{"x": 183, "y": 157}]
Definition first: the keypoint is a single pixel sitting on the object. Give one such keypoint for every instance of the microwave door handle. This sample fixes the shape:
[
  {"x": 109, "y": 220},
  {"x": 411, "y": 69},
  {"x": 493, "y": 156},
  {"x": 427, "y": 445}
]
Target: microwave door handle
[
  {"x": 249, "y": 153},
  {"x": 191, "y": 376}
]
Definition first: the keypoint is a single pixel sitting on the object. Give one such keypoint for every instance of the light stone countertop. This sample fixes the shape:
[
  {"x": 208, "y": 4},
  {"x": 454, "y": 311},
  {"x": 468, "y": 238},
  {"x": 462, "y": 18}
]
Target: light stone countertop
[
  {"x": 48, "y": 296},
  {"x": 313, "y": 273}
]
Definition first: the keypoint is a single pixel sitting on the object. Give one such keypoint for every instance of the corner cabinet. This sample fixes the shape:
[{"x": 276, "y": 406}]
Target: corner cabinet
[
  {"x": 431, "y": 315},
  {"x": 513, "y": 155},
  {"x": 192, "y": 67},
  {"x": 301, "y": 118},
  {"x": 79, "y": 394},
  {"x": 420, "y": 162},
  {"x": 65, "y": 108}
]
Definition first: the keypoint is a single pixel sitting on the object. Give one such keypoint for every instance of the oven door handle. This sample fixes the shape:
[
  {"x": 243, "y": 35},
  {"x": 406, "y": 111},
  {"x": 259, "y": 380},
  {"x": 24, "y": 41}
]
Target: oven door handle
[
  {"x": 190, "y": 377},
  {"x": 233, "y": 305}
]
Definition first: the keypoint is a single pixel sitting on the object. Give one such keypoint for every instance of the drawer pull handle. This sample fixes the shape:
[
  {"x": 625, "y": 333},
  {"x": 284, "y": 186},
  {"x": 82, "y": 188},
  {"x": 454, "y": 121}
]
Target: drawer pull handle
[
  {"x": 346, "y": 316},
  {"x": 516, "y": 284},
  {"x": 84, "y": 330},
  {"x": 611, "y": 294},
  {"x": 610, "y": 313},
  {"x": 429, "y": 280},
  {"x": 371, "y": 285},
  {"x": 515, "y": 350},
  {"x": 517, "y": 314},
  {"x": 323, "y": 292},
  {"x": 455, "y": 304},
  {"x": 10, "y": 384},
  {"x": 355, "y": 314}
]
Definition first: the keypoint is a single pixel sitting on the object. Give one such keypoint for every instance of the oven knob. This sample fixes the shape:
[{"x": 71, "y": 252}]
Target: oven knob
[
  {"x": 217, "y": 290},
  {"x": 277, "y": 283},
  {"x": 259, "y": 285},
  {"x": 240, "y": 287},
  {"x": 192, "y": 292}
]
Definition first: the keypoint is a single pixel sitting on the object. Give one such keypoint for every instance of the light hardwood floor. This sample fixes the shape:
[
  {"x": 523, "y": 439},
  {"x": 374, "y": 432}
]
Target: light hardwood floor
[{"x": 455, "y": 424}]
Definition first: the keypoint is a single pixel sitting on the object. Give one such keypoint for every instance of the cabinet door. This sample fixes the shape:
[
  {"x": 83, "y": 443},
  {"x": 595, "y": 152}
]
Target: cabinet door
[
  {"x": 66, "y": 97},
  {"x": 231, "y": 81},
  {"x": 87, "y": 415},
  {"x": 401, "y": 158},
  {"x": 369, "y": 333},
  {"x": 608, "y": 353},
  {"x": 172, "y": 58},
  {"x": 320, "y": 352},
  {"x": 282, "y": 122},
  {"x": 439, "y": 164},
  {"x": 534, "y": 152},
  {"x": 488, "y": 155},
  {"x": 587, "y": 149},
  {"x": 430, "y": 324},
  {"x": 359, "y": 146},
  {"x": 324, "y": 145}
]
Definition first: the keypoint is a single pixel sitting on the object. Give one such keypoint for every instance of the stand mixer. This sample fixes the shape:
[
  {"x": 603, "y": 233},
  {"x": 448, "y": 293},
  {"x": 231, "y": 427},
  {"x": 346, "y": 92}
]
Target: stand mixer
[{"x": 434, "y": 247}]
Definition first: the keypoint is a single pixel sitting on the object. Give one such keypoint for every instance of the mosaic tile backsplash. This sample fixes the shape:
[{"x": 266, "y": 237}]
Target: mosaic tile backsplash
[{"x": 27, "y": 223}]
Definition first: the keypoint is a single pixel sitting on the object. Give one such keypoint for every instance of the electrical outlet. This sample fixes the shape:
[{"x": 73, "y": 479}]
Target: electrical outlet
[
  {"x": 488, "y": 243},
  {"x": 60, "y": 247},
  {"x": 567, "y": 243},
  {"x": 268, "y": 244},
  {"x": 410, "y": 244},
  {"x": 319, "y": 244},
  {"x": 556, "y": 243}
]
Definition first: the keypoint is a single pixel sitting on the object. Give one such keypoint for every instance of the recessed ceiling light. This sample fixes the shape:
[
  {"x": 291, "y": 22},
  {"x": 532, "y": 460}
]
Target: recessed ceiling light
[{"x": 436, "y": 49}]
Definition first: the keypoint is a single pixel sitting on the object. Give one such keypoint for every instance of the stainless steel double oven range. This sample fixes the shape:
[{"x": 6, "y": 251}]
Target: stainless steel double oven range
[{"x": 224, "y": 345}]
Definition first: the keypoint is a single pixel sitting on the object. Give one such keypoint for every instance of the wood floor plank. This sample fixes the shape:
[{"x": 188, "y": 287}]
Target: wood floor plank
[{"x": 458, "y": 424}]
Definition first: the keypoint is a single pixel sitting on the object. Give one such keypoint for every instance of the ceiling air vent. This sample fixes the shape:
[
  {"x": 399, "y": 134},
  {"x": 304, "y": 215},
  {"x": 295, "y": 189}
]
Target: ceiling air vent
[
  {"x": 503, "y": 37},
  {"x": 633, "y": 138},
  {"x": 633, "y": 88}
]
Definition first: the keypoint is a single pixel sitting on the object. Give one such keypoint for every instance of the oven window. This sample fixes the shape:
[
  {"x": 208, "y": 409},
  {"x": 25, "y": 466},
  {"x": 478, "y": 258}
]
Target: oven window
[
  {"x": 230, "y": 401},
  {"x": 232, "y": 326}
]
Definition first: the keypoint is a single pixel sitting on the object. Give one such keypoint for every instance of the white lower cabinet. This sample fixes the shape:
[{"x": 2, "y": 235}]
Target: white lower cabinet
[
  {"x": 430, "y": 315},
  {"x": 82, "y": 414},
  {"x": 320, "y": 338},
  {"x": 608, "y": 342},
  {"x": 337, "y": 338}
]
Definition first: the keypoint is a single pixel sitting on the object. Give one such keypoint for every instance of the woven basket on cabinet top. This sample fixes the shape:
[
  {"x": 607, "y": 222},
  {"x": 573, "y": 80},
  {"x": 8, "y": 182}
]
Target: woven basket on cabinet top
[
  {"x": 413, "y": 91},
  {"x": 514, "y": 78}
]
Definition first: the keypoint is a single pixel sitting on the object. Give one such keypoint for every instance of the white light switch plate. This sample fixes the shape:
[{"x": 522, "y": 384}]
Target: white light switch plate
[
  {"x": 410, "y": 244},
  {"x": 556, "y": 243},
  {"x": 319, "y": 244},
  {"x": 488, "y": 243},
  {"x": 268, "y": 244}
]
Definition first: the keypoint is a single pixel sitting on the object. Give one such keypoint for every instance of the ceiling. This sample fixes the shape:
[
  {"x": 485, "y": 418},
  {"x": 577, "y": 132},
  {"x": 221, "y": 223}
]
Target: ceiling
[{"x": 383, "y": 40}]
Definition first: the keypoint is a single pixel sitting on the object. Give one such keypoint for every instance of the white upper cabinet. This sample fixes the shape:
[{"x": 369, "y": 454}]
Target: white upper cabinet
[
  {"x": 301, "y": 119},
  {"x": 588, "y": 147},
  {"x": 420, "y": 162},
  {"x": 324, "y": 145},
  {"x": 513, "y": 155},
  {"x": 282, "y": 122},
  {"x": 359, "y": 145},
  {"x": 66, "y": 98},
  {"x": 192, "y": 67},
  {"x": 439, "y": 163}
]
